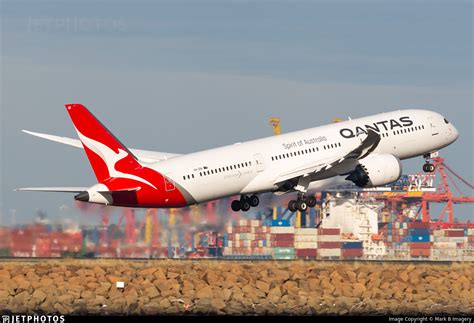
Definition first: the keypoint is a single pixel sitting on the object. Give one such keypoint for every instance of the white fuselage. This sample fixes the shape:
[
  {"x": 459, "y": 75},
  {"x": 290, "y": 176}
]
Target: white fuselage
[{"x": 253, "y": 166}]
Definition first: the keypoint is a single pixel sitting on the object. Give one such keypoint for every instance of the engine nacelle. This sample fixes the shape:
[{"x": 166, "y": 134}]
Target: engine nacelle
[{"x": 376, "y": 170}]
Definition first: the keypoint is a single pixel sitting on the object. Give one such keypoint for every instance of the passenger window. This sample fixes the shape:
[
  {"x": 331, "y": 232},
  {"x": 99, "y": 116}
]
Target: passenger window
[
  {"x": 184, "y": 177},
  {"x": 192, "y": 175}
]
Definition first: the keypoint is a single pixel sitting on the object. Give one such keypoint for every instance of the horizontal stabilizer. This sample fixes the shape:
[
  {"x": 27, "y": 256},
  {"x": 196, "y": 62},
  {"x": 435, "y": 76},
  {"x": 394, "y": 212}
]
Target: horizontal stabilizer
[
  {"x": 64, "y": 140},
  {"x": 144, "y": 155},
  {"x": 54, "y": 189}
]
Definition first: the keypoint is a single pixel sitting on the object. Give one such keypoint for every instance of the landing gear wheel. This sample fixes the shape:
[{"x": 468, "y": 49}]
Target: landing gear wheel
[
  {"x": 428, "y": 168},
  {"x": 311, "y": 201},
  {"x": 254, "y": 200},
  {"x": 245, "y": 204},
  {"x": 235, "y": 205},
  {"x": 302, "y": 205},
  {"x": 293, "y": 206}
]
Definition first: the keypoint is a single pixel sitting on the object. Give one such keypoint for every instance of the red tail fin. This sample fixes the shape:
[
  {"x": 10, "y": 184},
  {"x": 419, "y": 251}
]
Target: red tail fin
[{"x": 105, "y": 152}]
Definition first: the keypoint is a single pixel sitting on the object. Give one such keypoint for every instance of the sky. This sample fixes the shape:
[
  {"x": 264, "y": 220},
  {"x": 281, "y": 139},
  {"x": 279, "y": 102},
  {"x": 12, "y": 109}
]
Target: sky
[{"x": 182, "y": 76}]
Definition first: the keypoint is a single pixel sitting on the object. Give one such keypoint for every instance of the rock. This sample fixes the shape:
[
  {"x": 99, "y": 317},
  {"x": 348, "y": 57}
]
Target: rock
[
  {"x": 404, "y": 276},
  {"x": 98, "y": 271},
  {"x": 114, "y": 279},
  {"x": 87, "y": 294},
  {"x": 218, "y": 304},
  {"x": 358, "y": 289},
  {"x": 212, "y": 279},
  {"x": 205, "y": 292},
  {"x": 65, "y": 299},
  {"x": 147, "y": 271},
  {"x": 152, "y": 292},
  {"x": 263, "y": 286},
  {"x": 39, "y": 295},
  {"x": 274, "y": 294}
]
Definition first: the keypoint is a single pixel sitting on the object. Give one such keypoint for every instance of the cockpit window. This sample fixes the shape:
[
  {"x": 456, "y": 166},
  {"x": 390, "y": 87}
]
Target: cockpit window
[{"x": 446, "y": 121}]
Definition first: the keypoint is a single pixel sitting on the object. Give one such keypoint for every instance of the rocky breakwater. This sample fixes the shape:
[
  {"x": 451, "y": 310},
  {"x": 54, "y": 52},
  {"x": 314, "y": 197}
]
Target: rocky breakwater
[{"x": 219, "y": 287}]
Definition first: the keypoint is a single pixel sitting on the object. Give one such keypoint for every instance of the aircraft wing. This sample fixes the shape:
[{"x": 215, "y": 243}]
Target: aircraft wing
[
  {"x": 331, "y": 167},
  {"x": 145, "y": 155}
]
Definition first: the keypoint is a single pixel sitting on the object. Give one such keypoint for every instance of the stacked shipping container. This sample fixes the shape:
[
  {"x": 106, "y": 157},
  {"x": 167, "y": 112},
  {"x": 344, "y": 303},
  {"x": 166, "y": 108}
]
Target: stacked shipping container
[
  {"x": 329, "y": 243},
  {"x": 282, "y": 239},
  {"x": 247, "y": 238},
  {"x": 420, "y": 245},
  {"x": 306, "y": 243}
]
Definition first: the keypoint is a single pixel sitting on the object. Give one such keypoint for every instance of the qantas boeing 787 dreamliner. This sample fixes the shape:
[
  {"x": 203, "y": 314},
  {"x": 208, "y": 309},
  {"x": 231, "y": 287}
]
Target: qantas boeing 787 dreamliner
[{"x": 365, "y": 151}]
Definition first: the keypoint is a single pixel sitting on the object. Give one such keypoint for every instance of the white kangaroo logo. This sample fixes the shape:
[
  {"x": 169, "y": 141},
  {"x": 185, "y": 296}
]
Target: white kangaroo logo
[{"x": 110, "y": 158}]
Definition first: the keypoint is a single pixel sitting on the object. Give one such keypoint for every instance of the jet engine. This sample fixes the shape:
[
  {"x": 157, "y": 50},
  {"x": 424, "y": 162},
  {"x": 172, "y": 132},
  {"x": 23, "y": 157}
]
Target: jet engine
[{"x": 376, "y": 170}]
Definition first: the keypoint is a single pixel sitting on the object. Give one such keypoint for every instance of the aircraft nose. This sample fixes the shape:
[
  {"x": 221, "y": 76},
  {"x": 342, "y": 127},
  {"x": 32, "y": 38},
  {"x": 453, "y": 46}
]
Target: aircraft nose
[{"x": 455, "y": 133}]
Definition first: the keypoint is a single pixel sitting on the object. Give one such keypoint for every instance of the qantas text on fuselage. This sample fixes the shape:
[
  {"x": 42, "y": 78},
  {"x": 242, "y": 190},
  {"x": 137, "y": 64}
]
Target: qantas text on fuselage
[{"x": 365, "y": 151}]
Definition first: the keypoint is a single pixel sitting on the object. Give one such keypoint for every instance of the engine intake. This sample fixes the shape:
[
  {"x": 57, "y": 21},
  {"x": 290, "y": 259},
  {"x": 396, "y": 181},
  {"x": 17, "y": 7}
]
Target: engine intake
[{"x": 376, "y": 170}]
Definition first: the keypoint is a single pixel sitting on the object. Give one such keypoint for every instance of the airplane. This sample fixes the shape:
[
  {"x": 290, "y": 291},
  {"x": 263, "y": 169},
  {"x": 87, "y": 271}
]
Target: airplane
[{"x": 365, "y": 151}]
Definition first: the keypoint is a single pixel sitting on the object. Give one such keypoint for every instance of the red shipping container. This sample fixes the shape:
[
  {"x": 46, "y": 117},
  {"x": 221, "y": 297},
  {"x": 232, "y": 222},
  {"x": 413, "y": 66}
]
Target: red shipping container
[
  {"x": 329, "y": 231},
  {"x": 418, "y": 225},
  {"x": 282, "y": 243},
  {"x": 306, "y": 253},
  {"x": 454, "y": 233},
  {"x": 329, "y": 245},
  {"x": 352, "y": 252},
  {"x": 420, "y": 252},
  {"x": 420, "y": 245},
  {"x": 283, "y": 237}
]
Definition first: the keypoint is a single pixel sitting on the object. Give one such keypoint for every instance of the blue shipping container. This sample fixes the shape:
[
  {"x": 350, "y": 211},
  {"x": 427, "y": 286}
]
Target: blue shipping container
[
  {"x": 420, "y": 238},
  {"x": 280, "y": 223},
  {"x": 352, "y": 245},
  {"x": 420, "y": 232}
]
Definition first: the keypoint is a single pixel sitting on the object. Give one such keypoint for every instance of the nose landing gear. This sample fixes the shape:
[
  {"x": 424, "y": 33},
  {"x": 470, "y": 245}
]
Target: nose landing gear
[
  {"x": 245, "y": 203},
  {"x": 428, "y": 167}
]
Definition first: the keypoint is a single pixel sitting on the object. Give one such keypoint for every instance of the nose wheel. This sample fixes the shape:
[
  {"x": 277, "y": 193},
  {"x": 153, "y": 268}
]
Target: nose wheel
[
  {"x": 428, "y": 167},
  {"x": 245, "y": 203},
  {"x": 302, "y": 203}
]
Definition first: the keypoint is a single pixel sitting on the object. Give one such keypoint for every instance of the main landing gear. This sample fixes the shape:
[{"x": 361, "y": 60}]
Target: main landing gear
[
  {"x": 245, "y": 203},
  {"x": 428, "y": 167},
  {"x": 302, "y": 203}
]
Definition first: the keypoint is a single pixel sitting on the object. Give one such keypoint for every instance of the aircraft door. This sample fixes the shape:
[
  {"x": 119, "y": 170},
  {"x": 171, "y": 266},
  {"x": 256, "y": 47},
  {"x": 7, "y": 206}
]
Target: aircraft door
[
  {"x": 434, "y": 129},
  {"x": 259, "y": 162}
]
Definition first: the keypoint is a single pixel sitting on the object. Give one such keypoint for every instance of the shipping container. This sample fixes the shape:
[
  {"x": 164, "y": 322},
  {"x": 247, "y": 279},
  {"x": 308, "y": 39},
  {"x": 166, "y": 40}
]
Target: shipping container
[
  {"x": 284, "y": 251},
  {"x": 419, "y": 232},
  {"x": 418, "y": 225},
  {"x": 282, "y": 230},
  {"x": 420, "y": 252},
  {"x": 331, "y": 238},
  {"x": 420, "y": 245},
  {"x": 283, "y": 243},
  {"x": 420, "y": 238},
  {"x": 326, "y": 253},
  {"x": 280, "y": 223},
  {"x": 351, "y": 253},
  {"x": 352, "y": 245},
  {"x": 329, "y": 231},
  {"x": 444, "y": 245},
  {"x": 283, "y": 237},
  {"x": 454, "y": 233},
  {"x": 306, "y": 245},
  {"x": 306, "y": 231},
  {"x": 305, "y": 238},
  {"x": 306, "y": 253},
  {"x": 329, "y": 245}
]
